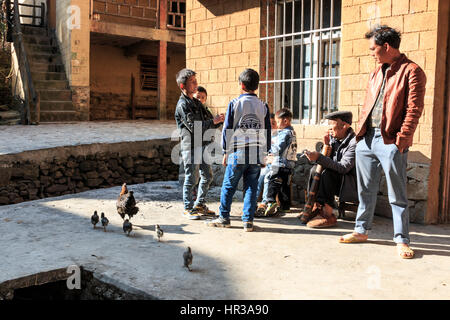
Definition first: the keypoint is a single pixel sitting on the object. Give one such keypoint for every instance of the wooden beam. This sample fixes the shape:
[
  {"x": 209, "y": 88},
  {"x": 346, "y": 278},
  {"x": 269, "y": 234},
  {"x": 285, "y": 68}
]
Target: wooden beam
[
  {"x": 163, "y": 14},
  {"x": 137, "y": 32},
  {"x": 162, "y": 81}
]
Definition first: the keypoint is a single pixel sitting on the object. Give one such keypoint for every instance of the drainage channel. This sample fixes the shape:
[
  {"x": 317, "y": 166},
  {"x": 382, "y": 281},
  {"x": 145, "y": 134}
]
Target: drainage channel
[{"x": 58, "y": 285}]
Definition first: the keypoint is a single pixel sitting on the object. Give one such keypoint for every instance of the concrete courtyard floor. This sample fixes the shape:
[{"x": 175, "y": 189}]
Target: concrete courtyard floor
[{"x": 279, "y": 260}]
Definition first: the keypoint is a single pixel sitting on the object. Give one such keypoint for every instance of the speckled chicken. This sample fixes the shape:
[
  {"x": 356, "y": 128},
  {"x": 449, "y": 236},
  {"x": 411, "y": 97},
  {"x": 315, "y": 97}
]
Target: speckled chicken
[
  {"x": 159, "y": 232},
  {"x": 127, "y": 227},
  {"x": 126, "y": 204},
  {"x": 105, "y": 221},
  {"x": 187, "y": 257},
  {"x": 94, "y": 218}
]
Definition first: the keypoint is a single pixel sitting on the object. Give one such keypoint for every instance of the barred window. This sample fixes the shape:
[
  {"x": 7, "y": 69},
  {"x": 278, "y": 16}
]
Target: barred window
[
  {"x": 300, "y": 48},
  {"x": 176, "y": 15}
]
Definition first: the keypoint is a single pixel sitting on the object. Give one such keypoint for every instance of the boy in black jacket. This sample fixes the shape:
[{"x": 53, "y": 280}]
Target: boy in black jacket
[{"x": 193, "y": 120}]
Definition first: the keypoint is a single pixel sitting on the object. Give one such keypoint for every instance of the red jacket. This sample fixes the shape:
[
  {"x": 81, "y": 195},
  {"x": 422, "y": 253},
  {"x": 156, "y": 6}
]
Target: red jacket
[{"x": 403, "y": 102}]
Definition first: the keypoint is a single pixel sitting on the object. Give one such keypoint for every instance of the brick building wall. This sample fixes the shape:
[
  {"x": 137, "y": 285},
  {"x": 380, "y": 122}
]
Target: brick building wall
[
  {"x": 222, "y": 39},
  {"x": 73, "y": 34},
  {"x": 424, "y": 28},
  {"x": 418, "y": 22},
  {"x": 216, "y": 42}
]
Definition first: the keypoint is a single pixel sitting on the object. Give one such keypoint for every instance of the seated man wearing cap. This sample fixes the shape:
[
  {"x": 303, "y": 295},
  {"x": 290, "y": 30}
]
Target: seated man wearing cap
[{"x": 339, "y": 174}]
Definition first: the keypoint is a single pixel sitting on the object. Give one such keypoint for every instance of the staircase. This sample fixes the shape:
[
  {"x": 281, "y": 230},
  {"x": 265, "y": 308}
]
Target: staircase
[{"x": 48, "y": 75}]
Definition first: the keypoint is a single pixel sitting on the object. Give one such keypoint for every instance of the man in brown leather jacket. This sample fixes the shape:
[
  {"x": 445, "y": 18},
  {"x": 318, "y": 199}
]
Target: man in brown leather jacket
[{"x": 392, "y": 108}]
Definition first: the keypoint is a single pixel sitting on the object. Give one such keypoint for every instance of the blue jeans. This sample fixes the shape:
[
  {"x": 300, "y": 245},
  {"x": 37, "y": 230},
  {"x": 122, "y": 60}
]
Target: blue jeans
[
  {"x": 233, "y": 174},
  {"x": 191, "y": 173},
  {"x": 372, "y": 155},
  {"x": 263, "y": 183}
]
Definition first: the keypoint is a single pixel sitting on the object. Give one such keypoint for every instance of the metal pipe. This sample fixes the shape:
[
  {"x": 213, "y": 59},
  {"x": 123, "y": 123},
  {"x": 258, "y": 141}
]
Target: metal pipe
[
  {"x": 291, "y": 104},
  {"x": 311, "y": 59},
  {"x": 275, "y": 57},
  {"x": 301, "y": 84},
  {"x": 330, "y": 55}
]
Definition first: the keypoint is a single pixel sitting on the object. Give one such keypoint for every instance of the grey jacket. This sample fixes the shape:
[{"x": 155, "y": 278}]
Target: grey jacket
[{"x": 342, "y": 160}]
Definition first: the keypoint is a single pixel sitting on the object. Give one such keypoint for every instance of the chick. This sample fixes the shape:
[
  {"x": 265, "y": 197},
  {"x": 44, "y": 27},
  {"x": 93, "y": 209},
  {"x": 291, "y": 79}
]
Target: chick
[
  {"x": 127, "y": 227},
  {"x": 105, "y": 221},
  {"x": 94, "y": 218},
  {"x": 159, "y": 232},
  {"x": 187, "y": 257}
]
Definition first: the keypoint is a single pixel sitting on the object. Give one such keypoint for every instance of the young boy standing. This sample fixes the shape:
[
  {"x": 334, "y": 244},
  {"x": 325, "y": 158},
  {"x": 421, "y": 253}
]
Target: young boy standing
[
  {"x": 246, "y": 139},
  {"x": 282, "y": 157},
  {"x": 192, "y": 117}
]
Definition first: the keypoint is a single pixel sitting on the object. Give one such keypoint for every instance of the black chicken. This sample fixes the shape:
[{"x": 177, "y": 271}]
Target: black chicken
[
  {"x": 126, "y": 204},
  {"x": 94, "y": 218},
  {"x": 105, "y": 221},
  {"x": 187, "y": 257},
  {"x": 127, "y": 227}
]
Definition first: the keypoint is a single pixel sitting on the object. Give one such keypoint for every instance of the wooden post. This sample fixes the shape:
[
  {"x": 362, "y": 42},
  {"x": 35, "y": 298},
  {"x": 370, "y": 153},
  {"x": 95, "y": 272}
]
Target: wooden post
[
  {"x": 162, "y": 80},
  {"x": 133, "y": 99},
  {"x": 162, "y": 64},
  {"x": 163, "y": 14}
]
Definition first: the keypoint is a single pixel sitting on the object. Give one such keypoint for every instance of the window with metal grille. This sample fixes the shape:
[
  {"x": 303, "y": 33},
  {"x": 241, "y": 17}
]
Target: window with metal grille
[
  {"x": 300, "y": 44},
  {"x": 176, "y": 15},
  {"x": 149, "y": 72}
]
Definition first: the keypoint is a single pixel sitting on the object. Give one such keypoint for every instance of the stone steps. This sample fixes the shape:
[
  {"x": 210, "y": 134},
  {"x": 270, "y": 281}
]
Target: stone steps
[
  {"x": 39, "y": 76},
  {"x": 46, "y": 67},
  {"x": 55, "y": 95},
  {"x": 49, "y": 58},
  {"x": 36, "y": 48},
  {"x": 33, "y": 39},
  {"x": 10, "y": 117},
  {"x": 57, "y": 106},
  {"x": 34, "y": 30},
  {"x": 49, "y": 77},
  {"x": 57, "y": 116},
  {"x": 51, "y": 84}
]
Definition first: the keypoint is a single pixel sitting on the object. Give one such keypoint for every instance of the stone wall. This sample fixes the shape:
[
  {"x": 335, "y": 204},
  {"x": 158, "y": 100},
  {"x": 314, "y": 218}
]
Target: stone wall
[{"x": 76, "y": 169}]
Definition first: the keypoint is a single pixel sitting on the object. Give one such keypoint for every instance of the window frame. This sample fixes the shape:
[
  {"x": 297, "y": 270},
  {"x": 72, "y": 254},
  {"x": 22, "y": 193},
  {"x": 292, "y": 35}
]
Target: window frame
[{"x": 317, "y": 81}]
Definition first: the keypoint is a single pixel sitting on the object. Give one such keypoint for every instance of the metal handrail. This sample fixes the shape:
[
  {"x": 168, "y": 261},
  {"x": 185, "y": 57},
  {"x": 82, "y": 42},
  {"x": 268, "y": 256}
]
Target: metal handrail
[{"x": 32, "y": 101}]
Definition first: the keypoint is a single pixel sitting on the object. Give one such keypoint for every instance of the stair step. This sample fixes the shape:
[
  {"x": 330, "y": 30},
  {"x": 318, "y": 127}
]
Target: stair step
[
  {"x": 51, "y": 84},
  {"x": 45, "y": 58},
  {"x": 35, "y": 39},
  {"x": 47, "y": 67},
  {"x": 57, "y": 106},
  {"x": 48, "y": 76},
  {"x": 34, "y": 30},
  {"x": 37, "y": 48},
  {"x": 9, "y": 115},
  {"x": 58, "y": 116},
  {"x": 11, "y": 122},
  {"x": 55, "y": 95}
]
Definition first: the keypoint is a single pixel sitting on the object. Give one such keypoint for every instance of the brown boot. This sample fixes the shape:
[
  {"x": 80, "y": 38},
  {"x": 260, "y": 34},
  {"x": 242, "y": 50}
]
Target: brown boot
[
  {"x": 325, "y": 219},
  {"x": 306, "y": 217}
]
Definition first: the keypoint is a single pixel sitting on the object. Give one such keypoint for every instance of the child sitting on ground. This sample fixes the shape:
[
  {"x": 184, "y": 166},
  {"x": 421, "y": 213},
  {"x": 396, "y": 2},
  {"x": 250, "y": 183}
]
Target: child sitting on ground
[
  {"x": 263, "y": 182},
  {"x": 282, "y": 157}
]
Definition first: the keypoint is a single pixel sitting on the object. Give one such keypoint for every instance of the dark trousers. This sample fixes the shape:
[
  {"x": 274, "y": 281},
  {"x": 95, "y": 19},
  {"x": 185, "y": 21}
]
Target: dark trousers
[
  {"x": 279, "y": 184},
  {"x": 329, "y": 185}
]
